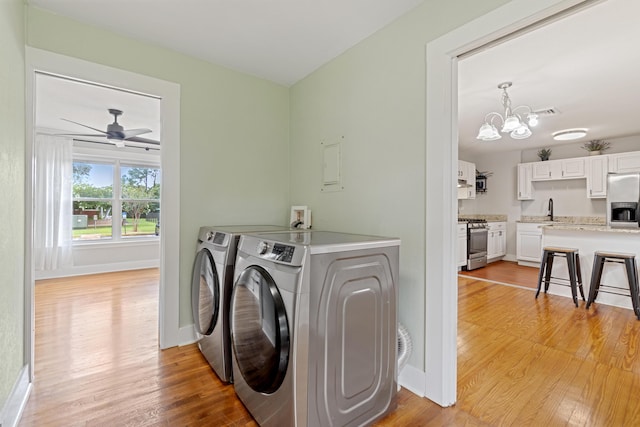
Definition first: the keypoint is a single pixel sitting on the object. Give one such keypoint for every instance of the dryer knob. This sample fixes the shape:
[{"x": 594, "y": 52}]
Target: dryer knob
[
  {"x": 262, "y": 248},
  {"x": 209, "y": 235}
]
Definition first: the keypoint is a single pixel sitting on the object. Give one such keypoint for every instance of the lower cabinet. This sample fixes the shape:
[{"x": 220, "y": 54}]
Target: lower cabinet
[
  {"x": 497, "y": 241},
  {"x": 529, "y": 242},
  {"x": 462, "y": 245}
]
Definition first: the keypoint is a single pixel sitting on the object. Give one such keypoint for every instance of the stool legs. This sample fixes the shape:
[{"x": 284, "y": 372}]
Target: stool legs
[
  {"x": 632, "y": 276},
  {"x": 545, "y": 270},
  {"x": 579, "y": 273},
  {"x": 571, "y": 265},
  {"x": 596, "y": 275}
]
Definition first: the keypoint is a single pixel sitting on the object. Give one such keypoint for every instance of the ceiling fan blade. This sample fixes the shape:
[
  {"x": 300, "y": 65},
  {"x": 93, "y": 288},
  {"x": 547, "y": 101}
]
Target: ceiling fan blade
[
  {"x": 80, "y": 134},
  {"x": 143, "y": 140},
  {"x": 88, "y": 127},
  {"x": 129, "y": 133}
]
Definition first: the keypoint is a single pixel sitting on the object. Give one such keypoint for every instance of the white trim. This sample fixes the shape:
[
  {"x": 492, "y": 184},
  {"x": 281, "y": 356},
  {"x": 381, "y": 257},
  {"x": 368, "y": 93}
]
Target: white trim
[
  {"x": 441, "y": 310},
  {"x": 412, "y": 379},
  {"x": 169, "y": 94},
  {"x": 17, "y": 399}
]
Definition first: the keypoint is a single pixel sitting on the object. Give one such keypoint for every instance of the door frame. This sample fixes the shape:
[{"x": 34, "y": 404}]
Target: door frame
[
  {"x": 441, "y": 290},
  {"x": 169, "y": 95}
]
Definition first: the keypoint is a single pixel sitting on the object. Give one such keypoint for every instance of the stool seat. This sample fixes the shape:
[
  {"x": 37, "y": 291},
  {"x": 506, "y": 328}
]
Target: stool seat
[
  {"x": 629, "y": 261},
  {"x": 618, "y": 255},
  {"x": 559, "y": 249},
  {"x": 573, "y": 266}
]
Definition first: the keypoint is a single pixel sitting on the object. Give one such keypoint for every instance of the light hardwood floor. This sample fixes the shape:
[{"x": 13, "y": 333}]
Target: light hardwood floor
[{"x": 521, "y": 362}]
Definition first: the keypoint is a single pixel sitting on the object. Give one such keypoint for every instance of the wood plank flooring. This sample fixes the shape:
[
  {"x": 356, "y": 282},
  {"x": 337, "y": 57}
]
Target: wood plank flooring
[
  {"x": 506, "y": 272},
  {"x": 521, "y": 362}
]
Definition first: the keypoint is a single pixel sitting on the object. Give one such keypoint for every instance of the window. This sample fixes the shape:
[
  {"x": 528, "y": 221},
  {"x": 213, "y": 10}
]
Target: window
[
  {"x": 115, "y": 201},
  {"x": 140, "y": 197}
]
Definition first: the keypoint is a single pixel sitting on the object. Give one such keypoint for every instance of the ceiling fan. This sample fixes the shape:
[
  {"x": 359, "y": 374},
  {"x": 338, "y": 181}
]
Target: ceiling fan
[{"x": 115, "y": 133}]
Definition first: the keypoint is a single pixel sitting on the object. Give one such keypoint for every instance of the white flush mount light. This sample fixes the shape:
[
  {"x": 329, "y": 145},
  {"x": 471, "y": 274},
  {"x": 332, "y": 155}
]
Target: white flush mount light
[
  {"x": 569, "y": 134},
  {"x": 516, "y": 125}
]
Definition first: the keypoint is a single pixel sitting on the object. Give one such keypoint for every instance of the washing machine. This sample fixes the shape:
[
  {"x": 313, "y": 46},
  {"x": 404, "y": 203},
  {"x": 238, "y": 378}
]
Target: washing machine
[
  {"x": 313, "y": 327},
  {"x": 212, "y": 281}
]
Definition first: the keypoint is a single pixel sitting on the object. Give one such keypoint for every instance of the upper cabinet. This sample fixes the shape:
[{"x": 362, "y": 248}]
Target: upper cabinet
[
  {"x": 594, "y": 168},
  {"x": 597, "y": 167},
  {"x": 624, "y": 162},
  {"x": 525, "y": 186},
  {"x": 558, "y": 169},
  {"x": 466, "y": 180}
]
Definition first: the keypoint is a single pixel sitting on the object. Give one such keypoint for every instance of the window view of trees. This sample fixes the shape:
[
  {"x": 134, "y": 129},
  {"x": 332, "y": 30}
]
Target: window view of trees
[
  {"x": 140, "y": 197},
  {"x": 133, "y": 207}
]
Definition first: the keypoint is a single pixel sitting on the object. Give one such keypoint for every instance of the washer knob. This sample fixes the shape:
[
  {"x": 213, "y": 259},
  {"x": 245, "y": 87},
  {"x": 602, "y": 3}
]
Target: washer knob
[
  {"x": 209, "y": 235},
  {"x": 263, "y": 247}
]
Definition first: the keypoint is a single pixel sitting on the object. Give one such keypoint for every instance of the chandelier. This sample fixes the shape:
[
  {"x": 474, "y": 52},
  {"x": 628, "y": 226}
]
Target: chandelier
[{"x": 513, "y": 123}]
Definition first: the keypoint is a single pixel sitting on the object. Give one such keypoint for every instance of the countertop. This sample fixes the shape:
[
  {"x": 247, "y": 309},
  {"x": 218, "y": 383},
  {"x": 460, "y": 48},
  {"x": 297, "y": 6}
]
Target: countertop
[
  {"x": 588, "y": 227},
  {"x": 565, "y": 220}
]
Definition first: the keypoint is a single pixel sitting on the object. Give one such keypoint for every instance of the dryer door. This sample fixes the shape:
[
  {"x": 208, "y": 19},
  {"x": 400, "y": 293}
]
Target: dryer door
[
  {"x": 205, "y": 293},
  {"x": 259, "y": 330}
]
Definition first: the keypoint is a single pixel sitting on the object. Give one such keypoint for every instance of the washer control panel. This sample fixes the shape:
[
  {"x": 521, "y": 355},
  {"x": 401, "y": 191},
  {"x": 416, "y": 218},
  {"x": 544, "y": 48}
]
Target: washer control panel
[{"x": 276, "y": 251}]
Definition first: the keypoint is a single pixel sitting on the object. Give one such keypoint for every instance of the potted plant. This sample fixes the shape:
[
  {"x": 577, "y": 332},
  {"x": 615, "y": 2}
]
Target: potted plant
[
  {"x": 544, "y": 153},
  {"x": 596, "y": 146}
]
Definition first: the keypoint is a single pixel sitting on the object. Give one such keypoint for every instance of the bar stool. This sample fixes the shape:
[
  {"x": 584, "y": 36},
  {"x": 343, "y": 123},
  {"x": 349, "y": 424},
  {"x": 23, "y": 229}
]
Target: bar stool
[
  {"x": 573, "y": 265},
  {"x": 629, "y": 260}
]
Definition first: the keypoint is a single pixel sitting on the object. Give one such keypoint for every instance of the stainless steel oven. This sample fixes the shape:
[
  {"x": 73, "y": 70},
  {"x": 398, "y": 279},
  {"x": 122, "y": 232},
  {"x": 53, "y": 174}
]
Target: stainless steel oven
[{"x": 477, "y": 236}]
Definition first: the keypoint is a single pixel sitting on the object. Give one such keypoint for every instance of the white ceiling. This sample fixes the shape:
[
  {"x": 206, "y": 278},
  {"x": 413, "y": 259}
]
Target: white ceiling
[
  {"x": 278, "y": 40},
  {"x": 586, "y": 66}
]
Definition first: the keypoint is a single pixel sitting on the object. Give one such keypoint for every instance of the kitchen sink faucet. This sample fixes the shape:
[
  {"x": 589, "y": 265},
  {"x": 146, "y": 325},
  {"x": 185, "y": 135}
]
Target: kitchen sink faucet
[{"x": 550, "y": 213}]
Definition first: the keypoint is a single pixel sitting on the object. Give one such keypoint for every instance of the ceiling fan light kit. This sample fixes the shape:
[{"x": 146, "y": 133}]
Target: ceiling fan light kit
[{"x": 517, "y": 126}]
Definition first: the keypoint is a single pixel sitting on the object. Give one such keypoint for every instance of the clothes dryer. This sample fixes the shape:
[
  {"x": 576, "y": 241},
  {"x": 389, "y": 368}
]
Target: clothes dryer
[
  {"x": 313, "y": 327},
  {"x": 212, "y": 281}
]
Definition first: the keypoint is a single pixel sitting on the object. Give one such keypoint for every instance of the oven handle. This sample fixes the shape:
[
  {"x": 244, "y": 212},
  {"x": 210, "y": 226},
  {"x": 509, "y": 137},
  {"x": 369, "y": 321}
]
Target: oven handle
[{"x": 478, "y": 230}]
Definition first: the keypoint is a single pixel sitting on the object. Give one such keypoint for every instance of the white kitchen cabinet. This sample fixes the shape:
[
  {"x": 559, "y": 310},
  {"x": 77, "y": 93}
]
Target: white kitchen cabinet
[
  {"x": 547, "y": 170},
  {"x": 497, "y": 240},
  {"x": 597, "y": 167},
  {"x": 624, "y": 162},
  {"x": 529, "y": 242},
  {"x": 525, "y": 186},
  {"x": 462, "y": 244},
  {"x": 558, "y": 169},
  {"x": 467, "y": 173},
  {"x": 463, "y": 170}
]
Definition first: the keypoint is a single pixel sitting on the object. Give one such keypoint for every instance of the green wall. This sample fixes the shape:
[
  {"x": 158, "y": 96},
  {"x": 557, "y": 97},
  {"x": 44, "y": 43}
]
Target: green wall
[
  {"x": 234, "y": 131},
  {"x": 12, "y": 170},
  {"x": 375, "y": 95}
]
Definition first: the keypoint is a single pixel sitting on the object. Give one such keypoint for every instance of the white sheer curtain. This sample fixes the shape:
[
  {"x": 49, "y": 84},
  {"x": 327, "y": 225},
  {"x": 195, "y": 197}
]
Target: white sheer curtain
[{"x": 53, "y": 202}]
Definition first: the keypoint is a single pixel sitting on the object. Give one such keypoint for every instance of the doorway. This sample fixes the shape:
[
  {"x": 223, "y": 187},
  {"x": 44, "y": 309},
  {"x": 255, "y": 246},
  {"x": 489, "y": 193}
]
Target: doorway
[
  {"x": 441, "y": 162},
  {"x": 169, "y": 94}
]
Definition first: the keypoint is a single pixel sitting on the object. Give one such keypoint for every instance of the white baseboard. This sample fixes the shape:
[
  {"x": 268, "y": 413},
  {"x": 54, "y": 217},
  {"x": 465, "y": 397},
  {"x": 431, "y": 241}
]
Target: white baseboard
[
  {"x": 413, "y": 379},
  {"x": 97, "y": 268},
  {"x": 17, "y": 399},
  {"x": 187, "y": 335}
]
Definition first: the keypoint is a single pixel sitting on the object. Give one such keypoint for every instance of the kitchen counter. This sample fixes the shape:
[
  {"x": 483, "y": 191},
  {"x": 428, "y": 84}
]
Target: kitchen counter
[
  {"x": 588, "y": 227},
  {"x": 575, "y": 220}
]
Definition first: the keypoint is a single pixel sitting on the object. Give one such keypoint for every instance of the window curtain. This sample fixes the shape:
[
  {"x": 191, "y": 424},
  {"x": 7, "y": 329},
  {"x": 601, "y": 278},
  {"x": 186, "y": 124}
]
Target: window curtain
[{"x": 53, "y": 202}]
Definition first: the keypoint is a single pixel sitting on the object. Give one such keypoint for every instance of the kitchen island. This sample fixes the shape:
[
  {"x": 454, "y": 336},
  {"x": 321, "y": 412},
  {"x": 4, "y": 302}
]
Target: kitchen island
[{"x": 588, "y": 239}]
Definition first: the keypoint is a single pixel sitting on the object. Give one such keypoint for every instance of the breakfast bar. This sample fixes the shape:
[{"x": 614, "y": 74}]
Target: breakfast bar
[{"x": 588, "y": 239}]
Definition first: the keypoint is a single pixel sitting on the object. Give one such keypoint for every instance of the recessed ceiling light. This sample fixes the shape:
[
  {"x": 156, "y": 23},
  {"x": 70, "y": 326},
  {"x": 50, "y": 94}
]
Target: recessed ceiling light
[{"x": 569, "y": 134}]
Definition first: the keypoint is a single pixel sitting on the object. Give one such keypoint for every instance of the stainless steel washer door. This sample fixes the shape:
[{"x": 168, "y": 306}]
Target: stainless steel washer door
[
  {"x": 259, "y": 330},
  {"x": 205, "y": 293}
]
